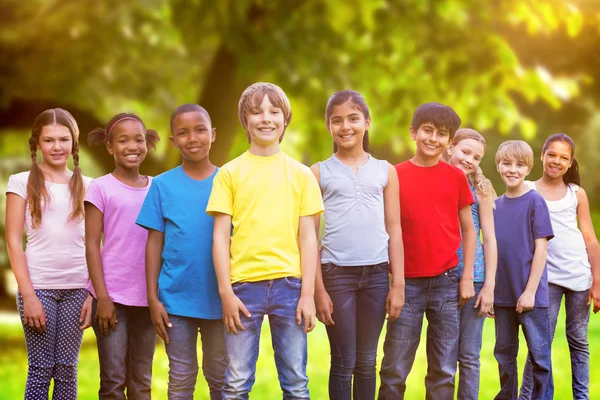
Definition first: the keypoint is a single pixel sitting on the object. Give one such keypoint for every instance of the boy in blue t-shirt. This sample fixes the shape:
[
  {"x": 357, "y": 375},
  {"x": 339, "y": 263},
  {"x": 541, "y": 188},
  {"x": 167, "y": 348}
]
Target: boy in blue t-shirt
[
  {"x": 182, "y": 286},
  {"x": 523, "y": 228}
]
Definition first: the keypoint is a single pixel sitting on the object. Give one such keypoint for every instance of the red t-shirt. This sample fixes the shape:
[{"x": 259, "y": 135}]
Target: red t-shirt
[{"x": 430, "y": 198}]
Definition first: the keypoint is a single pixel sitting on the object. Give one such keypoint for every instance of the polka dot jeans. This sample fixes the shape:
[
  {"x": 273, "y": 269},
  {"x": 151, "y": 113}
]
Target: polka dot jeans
[{"x": 54, "y": 353}]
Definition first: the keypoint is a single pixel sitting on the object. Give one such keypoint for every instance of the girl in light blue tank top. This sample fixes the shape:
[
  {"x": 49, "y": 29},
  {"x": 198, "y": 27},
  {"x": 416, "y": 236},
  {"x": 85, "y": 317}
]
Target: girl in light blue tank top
[
  {"x": 466, "y": 151},
  {"x": 362, "y": 242}
]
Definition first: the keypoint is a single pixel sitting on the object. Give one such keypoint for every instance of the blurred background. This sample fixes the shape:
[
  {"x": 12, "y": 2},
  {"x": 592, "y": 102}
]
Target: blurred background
[{"x": 512, "y": 69}]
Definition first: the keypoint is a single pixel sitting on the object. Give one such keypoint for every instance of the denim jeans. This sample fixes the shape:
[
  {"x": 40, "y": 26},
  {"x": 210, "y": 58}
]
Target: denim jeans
[
  {"x": 469, "y": 348},
  {"x": 54, "y": 354},
  {"x": 278, "y": 299},
  {"x": 437, "y": 298},
  {"x": 535, "y": 327},
  {"x": 126, "y": 353},
  {"x": 183, "y": 356},
  {"x": 578, "y": 316},
  {"x": 358, "y": 295}
]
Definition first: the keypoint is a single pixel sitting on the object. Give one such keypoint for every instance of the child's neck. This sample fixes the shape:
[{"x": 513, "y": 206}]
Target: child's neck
[
  {"x": 56, "y": 174},
  {"x": 264, "y": 151},
  {"x": 513, "y": 192},
  {"x": 130, "y": 176},
  {"x": 198, "y": 170},
  {"x": 353, "y": 156},
  {"x": 421, "y": 160},
  {"x": 551, "y": 183}
]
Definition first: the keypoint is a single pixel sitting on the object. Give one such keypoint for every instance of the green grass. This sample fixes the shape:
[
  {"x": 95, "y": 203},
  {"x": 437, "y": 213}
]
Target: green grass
[{"x": 13, "y": 365}]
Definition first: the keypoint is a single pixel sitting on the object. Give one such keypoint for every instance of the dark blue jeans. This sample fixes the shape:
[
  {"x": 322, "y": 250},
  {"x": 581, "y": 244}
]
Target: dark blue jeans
[
  {"x": 535, "y": 327},
  {"x": 469, "y": 348},
  {"x": 577, "y": 318},
  {"x": 437, "y": 298},
  {"x": 183, "y": 356},
  {"x": 358, "y": 295},
  {"x": 278, "y": 299},
  {"x": 126, "y": 354}
]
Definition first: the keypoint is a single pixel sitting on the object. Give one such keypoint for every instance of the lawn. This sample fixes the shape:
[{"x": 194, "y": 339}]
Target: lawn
[{"x": 13, "y": 365}]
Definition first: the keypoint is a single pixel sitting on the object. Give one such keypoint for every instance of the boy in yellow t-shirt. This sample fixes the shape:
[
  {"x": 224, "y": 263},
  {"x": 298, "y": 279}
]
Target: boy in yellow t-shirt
[{"x": 266, "y": 266}]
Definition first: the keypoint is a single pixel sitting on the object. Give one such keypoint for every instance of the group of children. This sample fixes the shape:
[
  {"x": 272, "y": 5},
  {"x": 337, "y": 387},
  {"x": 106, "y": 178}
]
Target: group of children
[{"x": 201, "y": 249}]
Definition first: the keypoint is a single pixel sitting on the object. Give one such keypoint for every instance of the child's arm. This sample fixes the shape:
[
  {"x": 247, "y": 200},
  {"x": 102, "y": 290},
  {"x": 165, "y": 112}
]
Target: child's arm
[
  {"x": 391, "y": 200},
  {"x": 323, "y": 303},
  {"x": 485, "y": 300},
  {"x": 106, "y": 312},
  {"x": 232, "y": 305},
  {"x": 591, "y": 245},
  {"x": 33, "y": 310},
  {"x": 466, "y": 290},
  {"x": 526, "y": 301},
  {"x": 158, "y": 314},
  {"x": 307, "y": 241}
]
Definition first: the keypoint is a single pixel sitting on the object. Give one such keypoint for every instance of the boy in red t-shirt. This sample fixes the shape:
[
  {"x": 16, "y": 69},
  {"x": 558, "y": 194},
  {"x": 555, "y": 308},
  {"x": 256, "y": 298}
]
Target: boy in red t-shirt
[{"x": 435, "y": 202}]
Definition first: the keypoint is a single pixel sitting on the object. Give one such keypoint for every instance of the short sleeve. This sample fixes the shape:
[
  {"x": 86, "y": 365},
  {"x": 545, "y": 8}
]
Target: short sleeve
[
  {"x": 151, "y": 215},
  {"x": 465, "y": 196},
  {"x": 95, "y": 196},
  {"x": 540, "y": 220},
  {"x": 17, "y": 185},
  {"x": 312, "y": 201},
  {"x": 221, "y": 195}
]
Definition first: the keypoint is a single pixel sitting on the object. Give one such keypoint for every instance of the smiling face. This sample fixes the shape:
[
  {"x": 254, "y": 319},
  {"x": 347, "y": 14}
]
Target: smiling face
[
  {"x": 431, "y": 141},
  {"x": 557, "y": 159},
  {"x": 347, "y": 125},
  {"x": 513, "y": 173},
  {"x": 193, "y": 135},
  {"x": 127, "y": 144},
  {"x": 265, "y": 123},
  {"x": 466, "y": 155},
  {"x": 55, "y": 144}
]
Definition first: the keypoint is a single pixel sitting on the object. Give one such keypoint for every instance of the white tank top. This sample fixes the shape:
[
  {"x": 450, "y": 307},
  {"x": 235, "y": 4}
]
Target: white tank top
[{"x": 567, "y": 261}]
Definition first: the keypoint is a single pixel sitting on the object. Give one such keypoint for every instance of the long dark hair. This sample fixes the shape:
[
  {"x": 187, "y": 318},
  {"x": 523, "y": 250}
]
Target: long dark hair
[
  {"x": 342, "y": 97},
  {"x": 572, "y": 174}
]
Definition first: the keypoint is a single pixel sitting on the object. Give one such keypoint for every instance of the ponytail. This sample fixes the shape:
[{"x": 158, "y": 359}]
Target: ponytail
[
  {"x": 76, "y": 187},
  {"x": 572, "y": 174},
  {"x": 37, "y": 193}
]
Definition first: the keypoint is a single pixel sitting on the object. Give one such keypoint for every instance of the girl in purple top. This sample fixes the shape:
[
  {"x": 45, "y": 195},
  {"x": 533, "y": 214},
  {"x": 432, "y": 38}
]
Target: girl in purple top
[
  {"x": 124, "y": 331},
  {"x": 465, "y": 152}
]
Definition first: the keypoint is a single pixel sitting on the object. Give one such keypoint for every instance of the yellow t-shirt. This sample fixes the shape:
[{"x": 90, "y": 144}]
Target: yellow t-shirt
[{"x": 265, "y": 196}]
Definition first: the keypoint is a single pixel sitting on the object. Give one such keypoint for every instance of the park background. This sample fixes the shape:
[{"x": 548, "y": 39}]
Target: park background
[{"x": 512, "y": 69}]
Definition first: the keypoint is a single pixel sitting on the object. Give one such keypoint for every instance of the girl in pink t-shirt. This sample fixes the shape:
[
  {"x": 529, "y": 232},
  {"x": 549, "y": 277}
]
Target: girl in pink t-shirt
[
  {"x": 124, "y": 331},
  {"x": 51, "y": 273}
]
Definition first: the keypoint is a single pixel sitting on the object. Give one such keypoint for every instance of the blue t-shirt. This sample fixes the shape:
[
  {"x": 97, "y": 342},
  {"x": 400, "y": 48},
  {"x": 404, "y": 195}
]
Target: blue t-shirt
[
  {"x": 518, "y": 222},
  {"x": 174, "y": 205}
]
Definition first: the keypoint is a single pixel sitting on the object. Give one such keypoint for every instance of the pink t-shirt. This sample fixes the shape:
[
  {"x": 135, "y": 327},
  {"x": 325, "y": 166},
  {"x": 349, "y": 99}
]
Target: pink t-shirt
[
  {"x": 123, "y": 254},
  {"x": 55, "y": 250}
]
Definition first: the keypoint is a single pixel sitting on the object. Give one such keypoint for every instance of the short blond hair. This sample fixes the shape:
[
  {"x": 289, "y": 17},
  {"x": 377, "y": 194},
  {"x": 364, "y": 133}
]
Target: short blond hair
[
  {"x": 517, "y": 150},
  {"x": 255, "y": 94}
]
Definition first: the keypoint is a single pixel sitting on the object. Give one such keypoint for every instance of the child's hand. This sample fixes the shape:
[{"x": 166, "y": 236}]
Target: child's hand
[
  {"x": 306, "y": 310},
  {"x": 324, "y": 307},
  {"x": 526, "y": 302},
  {"x": 485, "y": 301},
  {"x": 595, "y": 296},
  {"x": 394, "y": 302},
  {"x": 160, "y": 319},
  {"x": 232, "y": 306},
  {"x": 85, "y": 317},
  {"x": 106, "y": 315},
  {"x": 466, "y": 291},
  {"x": 491, "y": 313},
  {"x": 34, "y": 314}
]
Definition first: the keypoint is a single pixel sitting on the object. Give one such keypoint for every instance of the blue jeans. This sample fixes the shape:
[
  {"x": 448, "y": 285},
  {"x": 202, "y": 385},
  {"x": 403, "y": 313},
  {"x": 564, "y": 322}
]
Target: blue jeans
[
  {"x": 535, "y": 327},
  {"x": 278, "y": 299},
  {"x": 358, "y": 295},
  {"x": 54, "y": 354},
  {"x": 437, "y": 298},
  {"x": 578, "y": 316},
  {"x": 126, "y": 353},
  {"x": 183, "y": 356},
  {"x": 469, "y": 348}
]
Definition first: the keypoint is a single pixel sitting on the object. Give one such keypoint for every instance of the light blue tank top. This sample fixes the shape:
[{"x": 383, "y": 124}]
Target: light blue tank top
[
  {"x": 479, "y": 272},
  {"x": 355, "y": 232}
]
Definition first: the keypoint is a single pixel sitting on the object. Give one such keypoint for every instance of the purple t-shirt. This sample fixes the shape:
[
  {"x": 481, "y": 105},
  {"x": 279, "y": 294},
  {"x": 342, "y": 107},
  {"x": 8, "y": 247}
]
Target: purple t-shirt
[
  {"x": 518, "y": 222},
  {"x": 123, "y": 254}
]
